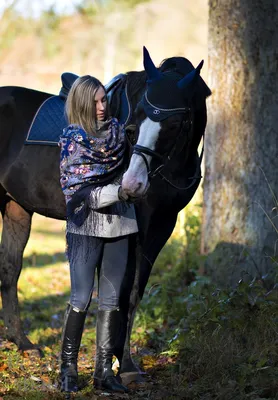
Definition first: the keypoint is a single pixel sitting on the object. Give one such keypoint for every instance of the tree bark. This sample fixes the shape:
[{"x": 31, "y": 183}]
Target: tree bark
[{"x": 240, "y": 231}]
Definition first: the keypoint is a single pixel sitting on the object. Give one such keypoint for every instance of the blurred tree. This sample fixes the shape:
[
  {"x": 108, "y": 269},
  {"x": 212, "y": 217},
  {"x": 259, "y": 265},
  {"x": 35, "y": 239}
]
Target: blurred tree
[
  {"x": 103, "y": 40},
  {"x": 12, "y": 24},
  {"x": 132, "y": 3},
  {"x": 240, "y": 207},
  {"x": 48, "y": 31},
  {"x": 91, "y": 7}
]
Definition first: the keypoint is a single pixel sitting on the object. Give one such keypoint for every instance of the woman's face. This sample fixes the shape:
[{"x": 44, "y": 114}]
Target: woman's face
[{"x": 100, "y": 104}]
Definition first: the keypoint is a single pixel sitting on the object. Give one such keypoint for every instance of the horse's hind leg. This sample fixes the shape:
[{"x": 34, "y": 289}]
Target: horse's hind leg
[{"x": 15, "y": 234}]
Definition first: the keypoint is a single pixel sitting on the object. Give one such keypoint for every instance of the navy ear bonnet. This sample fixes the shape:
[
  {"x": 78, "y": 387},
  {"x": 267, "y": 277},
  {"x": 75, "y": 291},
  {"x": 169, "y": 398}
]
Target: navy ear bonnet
[
  {"x": 166, "y": 92},
  {"x": 163, "y": 98}
]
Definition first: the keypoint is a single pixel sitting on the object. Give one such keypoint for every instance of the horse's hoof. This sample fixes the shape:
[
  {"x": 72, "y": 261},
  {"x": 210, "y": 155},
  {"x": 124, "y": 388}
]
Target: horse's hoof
[
  {"x": 130, "y": 377},
  {"x": 31, "y": 349},
  {"x": 34, "y": 353},
  {"x": 23, "y": 343}
]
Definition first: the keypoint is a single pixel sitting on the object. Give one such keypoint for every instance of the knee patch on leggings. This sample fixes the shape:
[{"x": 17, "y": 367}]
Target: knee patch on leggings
[
  {"x": 108, "y": 297},
  {"x": 80, "y": 305}
]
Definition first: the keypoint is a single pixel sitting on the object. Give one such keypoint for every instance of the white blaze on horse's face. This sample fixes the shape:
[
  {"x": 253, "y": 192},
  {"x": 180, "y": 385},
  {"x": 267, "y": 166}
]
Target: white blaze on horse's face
[{"x": 135, "y": 180}]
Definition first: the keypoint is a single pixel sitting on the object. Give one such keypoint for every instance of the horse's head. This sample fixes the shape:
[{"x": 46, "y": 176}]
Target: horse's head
[{"x": 162, "y": 117}]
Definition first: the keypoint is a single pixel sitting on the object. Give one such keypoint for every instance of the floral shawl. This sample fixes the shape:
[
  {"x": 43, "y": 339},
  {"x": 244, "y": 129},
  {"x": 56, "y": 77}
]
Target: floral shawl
[{"x": 90, "y": 159}]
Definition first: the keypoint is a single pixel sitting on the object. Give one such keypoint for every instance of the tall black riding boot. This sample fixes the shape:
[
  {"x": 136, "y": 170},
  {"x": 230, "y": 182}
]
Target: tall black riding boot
[
  {"x": 108, "y": 328},
  {"x": 71, "y": 338}
]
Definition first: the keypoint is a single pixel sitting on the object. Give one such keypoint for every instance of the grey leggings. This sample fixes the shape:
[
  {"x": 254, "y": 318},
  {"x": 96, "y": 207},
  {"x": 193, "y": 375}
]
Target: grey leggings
[{"x": 85, "y": 253}]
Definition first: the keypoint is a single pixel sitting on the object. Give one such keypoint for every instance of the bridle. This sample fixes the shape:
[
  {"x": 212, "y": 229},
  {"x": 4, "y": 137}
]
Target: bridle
[{"x": 142, "y": 151}]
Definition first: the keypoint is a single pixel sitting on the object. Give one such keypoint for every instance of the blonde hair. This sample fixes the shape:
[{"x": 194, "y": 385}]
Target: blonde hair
[{"x": 80, "y": 105}]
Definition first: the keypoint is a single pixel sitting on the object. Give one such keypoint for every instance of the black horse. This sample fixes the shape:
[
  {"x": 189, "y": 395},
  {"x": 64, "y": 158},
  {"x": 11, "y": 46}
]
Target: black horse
[{"x": 170, "y": 121}]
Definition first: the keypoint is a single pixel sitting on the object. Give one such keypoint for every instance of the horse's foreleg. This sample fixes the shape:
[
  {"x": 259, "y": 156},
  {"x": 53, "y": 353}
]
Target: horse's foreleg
[
  {"x": 129, "y": 371},
  {"x": 15, "y": 234},
  {"x": 158, "y": 233},
  {"x": 127, "y": 364}
]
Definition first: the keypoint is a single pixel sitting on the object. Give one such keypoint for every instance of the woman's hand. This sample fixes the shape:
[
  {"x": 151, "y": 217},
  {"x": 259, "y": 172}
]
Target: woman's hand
[{"x": 123, "y": 196}]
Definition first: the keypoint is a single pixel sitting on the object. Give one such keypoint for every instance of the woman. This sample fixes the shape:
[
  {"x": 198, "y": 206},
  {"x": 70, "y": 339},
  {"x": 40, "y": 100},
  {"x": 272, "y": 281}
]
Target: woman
[{"x": 99, "y": 225}]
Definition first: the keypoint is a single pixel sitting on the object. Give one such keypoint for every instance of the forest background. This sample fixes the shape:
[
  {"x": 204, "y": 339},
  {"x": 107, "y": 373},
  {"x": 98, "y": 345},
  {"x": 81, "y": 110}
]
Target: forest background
[{"x": 194, "y": 340}]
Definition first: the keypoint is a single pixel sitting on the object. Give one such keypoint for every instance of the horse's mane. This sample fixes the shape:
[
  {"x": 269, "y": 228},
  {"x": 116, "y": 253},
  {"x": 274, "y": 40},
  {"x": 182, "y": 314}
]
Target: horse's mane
[
  {"x": 180, "y": 65},
  {"x": 136, "y": 82}
]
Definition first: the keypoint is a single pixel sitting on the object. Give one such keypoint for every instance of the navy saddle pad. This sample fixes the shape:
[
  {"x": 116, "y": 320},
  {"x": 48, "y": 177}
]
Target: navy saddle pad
[
  {"x": 50, "y": 119},
  {"x": 48, "y": 123}
]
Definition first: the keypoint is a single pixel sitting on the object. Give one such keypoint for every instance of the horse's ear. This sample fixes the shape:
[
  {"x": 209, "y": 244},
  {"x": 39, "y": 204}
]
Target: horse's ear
[
  {"x": 190, "y": 78},
  {"x": 151, "y": 70}
]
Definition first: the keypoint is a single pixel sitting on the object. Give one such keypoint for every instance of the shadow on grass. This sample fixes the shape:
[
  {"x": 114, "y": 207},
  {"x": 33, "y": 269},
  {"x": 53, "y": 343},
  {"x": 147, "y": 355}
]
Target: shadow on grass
[
  {"x": 49, "y": 234},
  {"x": 39, "y": 260}
]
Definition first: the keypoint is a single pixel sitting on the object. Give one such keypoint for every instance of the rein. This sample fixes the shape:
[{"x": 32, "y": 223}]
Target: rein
[
  {"x": 141, "y": 151},
  {"x": 194, "y": 178}
]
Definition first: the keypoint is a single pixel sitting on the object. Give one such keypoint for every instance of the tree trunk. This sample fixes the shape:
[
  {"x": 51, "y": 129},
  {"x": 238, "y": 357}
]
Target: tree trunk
[{"x": 240, "y": 222}]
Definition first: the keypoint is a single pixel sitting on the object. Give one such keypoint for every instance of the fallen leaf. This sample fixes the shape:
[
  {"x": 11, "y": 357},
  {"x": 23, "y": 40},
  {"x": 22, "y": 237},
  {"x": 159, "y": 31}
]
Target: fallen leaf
[
  {"x": 45, "y": 379},
  {"x": 34, "y": 378},
  {"x": 3, "y": 367}
]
